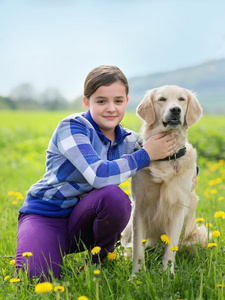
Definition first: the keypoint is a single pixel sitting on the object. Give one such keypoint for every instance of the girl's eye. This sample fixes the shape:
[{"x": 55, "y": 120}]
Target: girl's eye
[
  {"x": 101, "y": 101},
  {"x": 162, "y": 99},
  {"x": 119, "y": 101}
]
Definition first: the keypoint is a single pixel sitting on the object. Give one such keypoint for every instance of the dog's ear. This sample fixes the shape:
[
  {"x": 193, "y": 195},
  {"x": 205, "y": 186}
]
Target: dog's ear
[
  {"x": 194, "y": 110},
  {"x": 145, "y": 109}
]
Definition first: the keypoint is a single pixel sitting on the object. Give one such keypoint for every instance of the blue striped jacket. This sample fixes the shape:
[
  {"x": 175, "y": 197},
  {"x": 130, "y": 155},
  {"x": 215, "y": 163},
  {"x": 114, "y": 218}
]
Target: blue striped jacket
[{"x": 80, "y": 158}]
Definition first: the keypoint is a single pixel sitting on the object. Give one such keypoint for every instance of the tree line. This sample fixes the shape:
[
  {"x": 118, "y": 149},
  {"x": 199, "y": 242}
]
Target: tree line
[{"x": 25, "y": 97}]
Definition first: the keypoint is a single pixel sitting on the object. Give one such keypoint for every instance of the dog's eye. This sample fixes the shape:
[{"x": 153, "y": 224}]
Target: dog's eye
[
  {"x": 162, "y": 99},
  {"x": 181, "y": 99}
]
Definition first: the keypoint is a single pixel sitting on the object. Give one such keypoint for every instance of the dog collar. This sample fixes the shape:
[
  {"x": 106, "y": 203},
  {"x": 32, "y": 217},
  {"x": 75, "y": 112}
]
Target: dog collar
[{"x": 179, "y": 154}]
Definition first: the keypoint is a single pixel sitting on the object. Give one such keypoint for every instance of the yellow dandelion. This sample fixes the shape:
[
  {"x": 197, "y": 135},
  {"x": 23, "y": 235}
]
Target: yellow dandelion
[
  {"x": 219, "y": 214},
  {"x": 20, "y": 197},
  {"x": 213, "y": 192},
  {"x": 165, "y": 239},
  {"x": 82, "y": 298},
  {"x": 212, "y": 245},
  {"x": 219, "y": 286},
  {"x": 220, "y": 198},
  {"x": 97, "y": 272},
  {"x": 200, "y": 220},
  {"x": 95, "y": 250},
  {"x": 143, "y": 241},
  {"x": 174, "y": 248},
  {"x": 209, "y": 225},
  {"x": 59, "y": 288},
  {"x": 215, "y": 234},
  {"x": 43, "y": 287},
  {"x": 6, "y": 278},
  {"x": 14, "y": 202},
  {"x": 112, "y": 256},
  {"x": 221, "y": 162},
  {"x": 14, "y": 280},
  {"x": 12, "y": 262},
  {"x": 11, "y": 193},
  {"x": 17, "y": 194},
  {"x": 27, "y": 254}
]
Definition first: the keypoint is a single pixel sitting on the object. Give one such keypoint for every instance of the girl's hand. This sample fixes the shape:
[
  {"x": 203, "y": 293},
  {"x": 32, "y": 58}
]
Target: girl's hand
[{"x": 160, "y": 145}]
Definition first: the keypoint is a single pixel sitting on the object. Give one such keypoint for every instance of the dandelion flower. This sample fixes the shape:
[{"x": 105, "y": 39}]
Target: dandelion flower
[
  {"x": 95, "y": 250},
  {"x": 12, "y": 262},
  {"x": 219, "y": 286},
  {"x": 11, "y": 193},
  {"x": 82, "y": 298},
  {"x": 97, "y": 272},
  {"x": 209, "y": 225},
  {"x": 215, "y": 234},
  {"x": 174, "y": 248},
  {"x": 220, "y": 198},
  {"x": 27, "y": 254},
  {"x": 14, "y": 280},
  {"x": 143, "y": 241},
  {"x": 213, "y": 192},
  {"x": 200, "y": 220},
  {"x": 112, "y": 256},
  {"x": 165, "y": 239},
  {"x": 43, "y": 288},
  {"x": 59, "y": 288},
  {"x": 219, "y": 214},
  {"x": 212, "y": 245},
  {"x": 6, "y": 278}
]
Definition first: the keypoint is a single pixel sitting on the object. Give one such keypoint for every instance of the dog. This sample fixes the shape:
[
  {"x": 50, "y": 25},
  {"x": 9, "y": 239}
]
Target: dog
[{"x": 164, "y": 201}]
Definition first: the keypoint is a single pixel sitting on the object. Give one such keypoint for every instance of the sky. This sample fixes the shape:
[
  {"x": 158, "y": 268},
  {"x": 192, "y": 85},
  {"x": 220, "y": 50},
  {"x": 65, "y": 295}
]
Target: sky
[{"x": 56, "y": 43}]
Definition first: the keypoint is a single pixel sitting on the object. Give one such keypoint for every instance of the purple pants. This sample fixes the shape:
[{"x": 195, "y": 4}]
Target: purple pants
[{"x": 97, "y": 220}]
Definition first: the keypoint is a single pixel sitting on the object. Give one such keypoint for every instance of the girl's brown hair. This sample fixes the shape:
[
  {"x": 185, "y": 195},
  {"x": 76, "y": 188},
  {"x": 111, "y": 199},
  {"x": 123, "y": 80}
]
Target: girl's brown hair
[{"x": 103, "y": 75}]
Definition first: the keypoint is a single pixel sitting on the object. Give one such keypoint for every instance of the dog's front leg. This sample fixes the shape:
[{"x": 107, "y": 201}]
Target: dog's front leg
[
  {"x": 175, "y": 231},
  {"x": 137, "y": 238}
]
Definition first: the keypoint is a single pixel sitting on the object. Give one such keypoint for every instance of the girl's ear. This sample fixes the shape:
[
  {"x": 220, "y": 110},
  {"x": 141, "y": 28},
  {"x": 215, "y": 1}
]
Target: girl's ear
[
  {"x": 86, "y": 102},
  {"x": 145, "y": 109}
]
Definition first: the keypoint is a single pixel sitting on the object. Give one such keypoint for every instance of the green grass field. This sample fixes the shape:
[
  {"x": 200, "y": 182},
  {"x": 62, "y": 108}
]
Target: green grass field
[{"x": 24, "y": 137}]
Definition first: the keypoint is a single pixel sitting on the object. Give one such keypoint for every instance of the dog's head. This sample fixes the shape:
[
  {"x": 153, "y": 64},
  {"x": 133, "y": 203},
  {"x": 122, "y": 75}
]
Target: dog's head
[{"x": 169, "y": 107}]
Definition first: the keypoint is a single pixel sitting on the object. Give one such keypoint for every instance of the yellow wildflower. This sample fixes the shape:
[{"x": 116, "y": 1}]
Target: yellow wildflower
[
  {"x": 174, "y": 248},
  {"x": 14, "y": 202},
  {"x": 95, "y": 250},
  {"x": 59, "y": 288},
  {"x": 143, "y": 241},
  {"x": 6, "y": 278},
  {"x": 43, "y": 288},
  {"x": 165, "y": 239},
  {"x": 213, "y": 192},
  {"x": 12, "y": 262},
  {"x": 97, "y": 272},
  {"x": 112, "y": 256},
  {"x": 20, "y": 197},
  {"x": 220, "y": 198},
  {"x": 215, "y": 234},
  {"x": 219, "y": 286},
  {"x": 200, "y": 220},
  {"x": 27, "y": 254},
  {"x": 14, "y": 280},
  {"x": 209, "y": 225},
  {"x": 219, "y": 214},
  {"x": 82, "y": 298},
  {"x": 11, "y": 193},
  {"x": 212, "y": 245}
]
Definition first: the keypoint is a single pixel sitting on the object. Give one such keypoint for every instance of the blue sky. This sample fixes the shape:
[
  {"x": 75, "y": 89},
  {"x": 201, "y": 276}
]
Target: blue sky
[{"x": 55, "y": 43}]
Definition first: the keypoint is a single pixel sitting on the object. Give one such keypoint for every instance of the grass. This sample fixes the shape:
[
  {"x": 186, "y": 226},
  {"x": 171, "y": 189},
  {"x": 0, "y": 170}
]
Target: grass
[{"x": 24, "y": 137}]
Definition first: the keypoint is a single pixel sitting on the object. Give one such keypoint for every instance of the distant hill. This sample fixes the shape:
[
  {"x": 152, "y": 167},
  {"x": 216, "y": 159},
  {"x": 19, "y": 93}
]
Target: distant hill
[{"x": 206, "y": 80}]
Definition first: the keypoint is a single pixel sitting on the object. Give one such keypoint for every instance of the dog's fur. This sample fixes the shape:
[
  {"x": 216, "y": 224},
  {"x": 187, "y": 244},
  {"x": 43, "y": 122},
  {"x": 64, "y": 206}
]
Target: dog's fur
[{"x": 163, "y": 199}]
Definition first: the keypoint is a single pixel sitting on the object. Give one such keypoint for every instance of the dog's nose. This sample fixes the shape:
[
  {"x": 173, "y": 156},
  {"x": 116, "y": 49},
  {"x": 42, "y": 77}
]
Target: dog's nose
[{"x": 175, "y": 110}]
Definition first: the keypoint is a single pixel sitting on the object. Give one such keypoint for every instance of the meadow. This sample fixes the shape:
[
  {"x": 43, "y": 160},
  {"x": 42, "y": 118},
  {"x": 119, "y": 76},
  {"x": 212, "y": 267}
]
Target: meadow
[{"x": 24, "y": 137}]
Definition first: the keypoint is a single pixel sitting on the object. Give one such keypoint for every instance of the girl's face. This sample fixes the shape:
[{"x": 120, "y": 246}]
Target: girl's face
[{"x": 107, "y": 106}]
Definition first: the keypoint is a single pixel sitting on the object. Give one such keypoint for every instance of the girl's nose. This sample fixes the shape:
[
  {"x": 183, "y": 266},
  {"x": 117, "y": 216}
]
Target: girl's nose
[{"x": 110, "y": 107}]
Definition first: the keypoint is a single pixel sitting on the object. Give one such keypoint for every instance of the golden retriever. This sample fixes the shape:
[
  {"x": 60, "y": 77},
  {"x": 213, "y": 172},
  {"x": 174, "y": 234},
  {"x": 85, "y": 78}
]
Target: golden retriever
[{"x": 164, "y": 201}]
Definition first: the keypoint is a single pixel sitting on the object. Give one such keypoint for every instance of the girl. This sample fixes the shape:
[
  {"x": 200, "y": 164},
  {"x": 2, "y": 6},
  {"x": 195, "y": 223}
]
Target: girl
[{"x": 78, "y": 204}]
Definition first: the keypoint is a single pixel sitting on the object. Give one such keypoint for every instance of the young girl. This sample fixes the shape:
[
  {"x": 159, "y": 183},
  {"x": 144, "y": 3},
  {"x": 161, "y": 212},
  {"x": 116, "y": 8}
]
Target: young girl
[{"x": 78, "y": 204}]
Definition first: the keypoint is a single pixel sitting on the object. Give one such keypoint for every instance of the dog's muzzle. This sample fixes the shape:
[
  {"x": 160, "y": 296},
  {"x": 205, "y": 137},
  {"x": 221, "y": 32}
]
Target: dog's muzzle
[{"x": 173, "y": 119}]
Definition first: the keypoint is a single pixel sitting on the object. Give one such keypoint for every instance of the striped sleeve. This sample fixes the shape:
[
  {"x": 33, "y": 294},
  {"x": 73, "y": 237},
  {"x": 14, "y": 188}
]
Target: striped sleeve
[{"x": 74, "y": 143}]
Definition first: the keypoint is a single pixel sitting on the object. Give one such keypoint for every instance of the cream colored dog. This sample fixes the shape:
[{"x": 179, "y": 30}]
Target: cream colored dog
[{"x": 163, "y": 199}]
